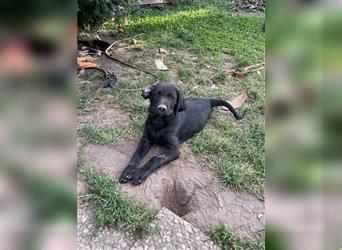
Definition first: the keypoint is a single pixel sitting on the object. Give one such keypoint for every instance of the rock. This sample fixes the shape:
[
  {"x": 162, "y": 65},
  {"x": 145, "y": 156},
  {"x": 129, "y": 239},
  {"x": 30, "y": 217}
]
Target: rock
[{"x": 160, "y": 64}]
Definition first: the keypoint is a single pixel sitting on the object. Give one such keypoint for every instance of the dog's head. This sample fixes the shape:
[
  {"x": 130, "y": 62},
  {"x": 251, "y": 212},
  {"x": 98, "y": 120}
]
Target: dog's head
[{"x": 165, "y": 99}]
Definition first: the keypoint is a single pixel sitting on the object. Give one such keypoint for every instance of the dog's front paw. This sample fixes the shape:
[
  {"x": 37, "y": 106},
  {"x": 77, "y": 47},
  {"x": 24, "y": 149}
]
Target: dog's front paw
[
  {"x": 127, "y": 174},
  {"x": 140, "y": 176}
]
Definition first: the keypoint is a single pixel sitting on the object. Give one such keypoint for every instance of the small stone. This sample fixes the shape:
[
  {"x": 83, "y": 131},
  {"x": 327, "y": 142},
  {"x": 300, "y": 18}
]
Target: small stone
[
  {"x": 85, "y": 231},
  {"x": 179, "y": 235},
  {"x": 188, "y": 228}
]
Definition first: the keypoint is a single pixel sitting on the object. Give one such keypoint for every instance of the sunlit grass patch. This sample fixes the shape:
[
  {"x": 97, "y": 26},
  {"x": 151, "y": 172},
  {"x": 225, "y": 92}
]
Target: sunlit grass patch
[
  {"x": 201, "y": 30},
  {"x": 224, "y": 237},
  {"x": 110, "y": 207}
]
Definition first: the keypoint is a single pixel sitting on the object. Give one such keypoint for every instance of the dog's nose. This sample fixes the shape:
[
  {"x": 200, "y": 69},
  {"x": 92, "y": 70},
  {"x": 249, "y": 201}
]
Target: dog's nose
[{"x": 162, "y": 108}]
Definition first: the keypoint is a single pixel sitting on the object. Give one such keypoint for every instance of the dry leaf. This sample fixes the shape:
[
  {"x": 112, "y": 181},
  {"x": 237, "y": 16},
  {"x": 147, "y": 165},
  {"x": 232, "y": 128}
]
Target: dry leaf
[
  {"x": 237, "y": 102},
  {"x": 86, "y": 65},
  {"x": 160, "y": 64},
  {"x": 85, "y": 59},
  {"x": 134, "y": 41}
]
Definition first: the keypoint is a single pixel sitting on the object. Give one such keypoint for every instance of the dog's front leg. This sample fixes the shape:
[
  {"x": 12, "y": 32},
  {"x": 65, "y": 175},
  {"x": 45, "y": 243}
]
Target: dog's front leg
[
  {"x": 171, "y": 153},
  {"x": 142, "y": 149}
]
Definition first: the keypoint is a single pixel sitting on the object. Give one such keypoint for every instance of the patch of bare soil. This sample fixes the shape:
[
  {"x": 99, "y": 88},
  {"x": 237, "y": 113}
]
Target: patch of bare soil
[
  {"x": 114, "y": 67},
  {"x": 228, "y": 62},
  {"x": 183, "y": 186},
  {"x": 106, "y": 113}
]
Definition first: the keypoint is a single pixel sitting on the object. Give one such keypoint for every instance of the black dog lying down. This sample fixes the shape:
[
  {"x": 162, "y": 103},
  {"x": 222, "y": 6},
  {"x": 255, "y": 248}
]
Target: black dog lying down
[{"x": 171, "y": 121}]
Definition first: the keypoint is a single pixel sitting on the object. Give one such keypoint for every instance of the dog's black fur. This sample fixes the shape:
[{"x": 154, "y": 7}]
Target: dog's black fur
[{"x": 171, "y": 121}]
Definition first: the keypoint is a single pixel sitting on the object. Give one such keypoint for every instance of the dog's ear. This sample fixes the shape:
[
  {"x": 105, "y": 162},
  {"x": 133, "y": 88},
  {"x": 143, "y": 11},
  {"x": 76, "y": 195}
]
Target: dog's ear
[
  {"x": 147, "y": 91},
  {"x": 180, "y": 102}
]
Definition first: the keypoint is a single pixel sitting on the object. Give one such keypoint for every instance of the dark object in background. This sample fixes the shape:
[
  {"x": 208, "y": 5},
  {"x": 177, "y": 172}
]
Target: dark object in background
[
  {"x": 248, "y": 5},
  {"x": 96, "y": 44},
  {"x": 264, "y": 28},
  {"x": 92, "y": 47},
  {"x": 110, "y": 80},
  {"x": 91, "y": 14},
  {"x": 158, "y": 6}
]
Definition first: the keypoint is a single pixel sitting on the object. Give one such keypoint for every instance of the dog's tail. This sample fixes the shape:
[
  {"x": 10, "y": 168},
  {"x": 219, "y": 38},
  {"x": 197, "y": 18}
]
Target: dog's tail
[{"x": 237, "y": 115}]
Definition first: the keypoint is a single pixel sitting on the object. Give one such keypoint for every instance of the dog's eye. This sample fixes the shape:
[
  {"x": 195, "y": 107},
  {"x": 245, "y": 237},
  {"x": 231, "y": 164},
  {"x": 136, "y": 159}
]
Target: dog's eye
[
  {"x": 158, "y": 93},
  {"x": 171, "y": 96}
]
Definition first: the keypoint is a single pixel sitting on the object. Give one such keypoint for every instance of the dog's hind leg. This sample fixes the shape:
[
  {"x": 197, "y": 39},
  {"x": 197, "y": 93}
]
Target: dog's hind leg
[{"x": 142, "y": 149}]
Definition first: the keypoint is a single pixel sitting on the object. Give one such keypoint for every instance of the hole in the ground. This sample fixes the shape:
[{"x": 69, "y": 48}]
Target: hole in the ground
[{"x": 178, "y": 200}]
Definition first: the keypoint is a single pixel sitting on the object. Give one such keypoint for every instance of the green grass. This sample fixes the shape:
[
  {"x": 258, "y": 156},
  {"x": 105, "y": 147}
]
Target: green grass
[
  {"x": 236, "y": 149},
  {"x": 221, "y": 77},
  {"x": 228, "y": 241},
  {"x": 179, "y": 58},
  {"x": 102, "y": 135},
  {"x": 110, "y": 207},
  {"x": 198, "y": 29},
  {"x": 185, "y": 74}
]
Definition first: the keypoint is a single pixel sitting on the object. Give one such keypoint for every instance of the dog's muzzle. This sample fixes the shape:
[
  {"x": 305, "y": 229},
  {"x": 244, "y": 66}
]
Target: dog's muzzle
[{"x": 162, "y": 109}]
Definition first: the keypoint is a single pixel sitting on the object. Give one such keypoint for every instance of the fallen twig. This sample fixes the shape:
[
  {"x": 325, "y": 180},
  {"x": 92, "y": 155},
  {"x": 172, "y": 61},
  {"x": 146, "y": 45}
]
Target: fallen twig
[
  {"x": 124, "y": 63},
  {"x": 249, "y": 69},
  {"x": 253, "y": 66}
]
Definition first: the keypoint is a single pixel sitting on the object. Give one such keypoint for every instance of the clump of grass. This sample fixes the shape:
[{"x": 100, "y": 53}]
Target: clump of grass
[
  {"x": 178, "y": 58},
  {"x": 185, "y": 74},
  {"x": 202, "y": 79},
  {"x": 237, "y": 154},
  {"x": 102, "y": 135},
  {"x": 228, "y": 241},
  {"x": 221, "y": 77},
  {"x": 164, "y": 76},
  {"x": 112, "y": 208}
]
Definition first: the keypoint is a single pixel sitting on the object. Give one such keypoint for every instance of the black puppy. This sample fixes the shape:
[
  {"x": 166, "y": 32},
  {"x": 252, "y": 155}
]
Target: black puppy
[{"x": 171, "y": 121}]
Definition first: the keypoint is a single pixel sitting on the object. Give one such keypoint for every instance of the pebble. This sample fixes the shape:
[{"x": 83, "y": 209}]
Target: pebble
[{"x": 188, "y": 228}]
